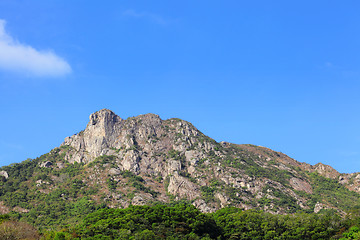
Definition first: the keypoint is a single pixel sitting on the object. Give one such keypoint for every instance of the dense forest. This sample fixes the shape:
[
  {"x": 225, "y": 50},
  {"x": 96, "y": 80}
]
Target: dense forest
[{"x": 184, "y": 221}]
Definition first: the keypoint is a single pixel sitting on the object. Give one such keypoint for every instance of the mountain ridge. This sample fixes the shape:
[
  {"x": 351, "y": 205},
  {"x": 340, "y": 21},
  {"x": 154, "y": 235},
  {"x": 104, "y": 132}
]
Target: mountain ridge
[{"x": 144, "y": 159}]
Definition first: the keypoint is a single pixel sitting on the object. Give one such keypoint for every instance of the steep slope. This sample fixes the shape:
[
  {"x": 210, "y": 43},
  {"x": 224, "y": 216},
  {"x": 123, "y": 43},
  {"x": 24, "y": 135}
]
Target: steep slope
[{"x": 144, "y": 159}]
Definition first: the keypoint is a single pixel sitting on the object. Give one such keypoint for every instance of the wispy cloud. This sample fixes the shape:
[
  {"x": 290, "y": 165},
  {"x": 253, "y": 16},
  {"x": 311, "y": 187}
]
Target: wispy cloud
[
  {"x": 20, "y": 58},
  {"x": 150, "y": 16}
]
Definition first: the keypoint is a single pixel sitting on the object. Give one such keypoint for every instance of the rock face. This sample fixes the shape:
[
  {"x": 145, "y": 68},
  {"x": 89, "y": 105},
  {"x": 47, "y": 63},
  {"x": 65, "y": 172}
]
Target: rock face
[
  {"x": 4, "y": 174},
  {"x": 301, "y": 185},
  {"x": 183, "y": 188},
  {"x": 97, "y": 138},
  {"x": 46, "y": 164},
  {"x": 326, "y": 170},
  {"x": 319, "y": 207},
  {"x": 135, "y": 142}
]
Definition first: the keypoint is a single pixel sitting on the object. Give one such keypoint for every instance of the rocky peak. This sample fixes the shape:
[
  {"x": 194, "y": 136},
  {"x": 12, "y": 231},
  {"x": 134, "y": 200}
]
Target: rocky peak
[
  {"x": 108, "y": 134},
  {"x": 99, "y": 134},
  {"x": 150, "y": 118},
  {"x": 103, "y": 120},
  {"x": 103, "y": 114},
  {"x": 326, "y": 170}
]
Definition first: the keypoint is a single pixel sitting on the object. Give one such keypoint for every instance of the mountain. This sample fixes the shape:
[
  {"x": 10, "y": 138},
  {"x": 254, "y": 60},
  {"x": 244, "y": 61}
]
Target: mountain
[{"x": 141, "y": 160}]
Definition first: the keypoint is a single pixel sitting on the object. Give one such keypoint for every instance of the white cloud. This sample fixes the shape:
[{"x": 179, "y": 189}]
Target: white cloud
[
  {"x": 17, "y": 57},
  {"x": 153, "y": 17}
]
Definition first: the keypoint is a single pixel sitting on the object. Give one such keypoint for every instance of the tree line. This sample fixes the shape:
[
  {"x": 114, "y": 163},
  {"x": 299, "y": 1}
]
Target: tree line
[{"x": 184, "y": 221}]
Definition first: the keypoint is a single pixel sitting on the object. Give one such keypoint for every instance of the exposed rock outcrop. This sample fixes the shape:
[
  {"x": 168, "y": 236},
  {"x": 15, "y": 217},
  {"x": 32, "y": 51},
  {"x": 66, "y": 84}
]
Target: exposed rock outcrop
[
  {"x": 4, "y": 174},
  {"x": 301, "y": 185},
  {"x": 46, "y": 164},
  {"x": 183, "y": 188},
  {"x": 326, "y": 171}
]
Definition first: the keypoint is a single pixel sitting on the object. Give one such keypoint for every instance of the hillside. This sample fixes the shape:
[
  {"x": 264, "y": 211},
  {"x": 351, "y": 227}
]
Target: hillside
[{"x": 145, "y": 160}]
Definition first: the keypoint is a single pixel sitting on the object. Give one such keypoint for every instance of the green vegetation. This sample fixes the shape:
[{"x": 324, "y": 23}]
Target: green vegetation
[
  {"x": 137, "y": 182},
  {"x": 353, "y": 233},
  {"x": 143, "y": 222},
  {"x": 28, "y": 188},
  {"x": 281, "y": 199},
  {"x": 208, "y": 193},
  {"x": 248, "y": 162},
  {"x": 104, "y": 159},
  {"x": 326, "y": 189},
  {"x": 184, "y": 221},
  {"x": 237, "y": 224}
]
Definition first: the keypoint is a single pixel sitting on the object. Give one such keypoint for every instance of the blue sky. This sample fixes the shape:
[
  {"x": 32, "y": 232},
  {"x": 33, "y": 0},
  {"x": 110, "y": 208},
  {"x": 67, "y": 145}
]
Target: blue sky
[{"x": 280, "y": 74}]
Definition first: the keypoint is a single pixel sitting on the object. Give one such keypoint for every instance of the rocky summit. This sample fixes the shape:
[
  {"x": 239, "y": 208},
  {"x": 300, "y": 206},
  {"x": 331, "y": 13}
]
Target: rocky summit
[{"x": 144, "y": 160}]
